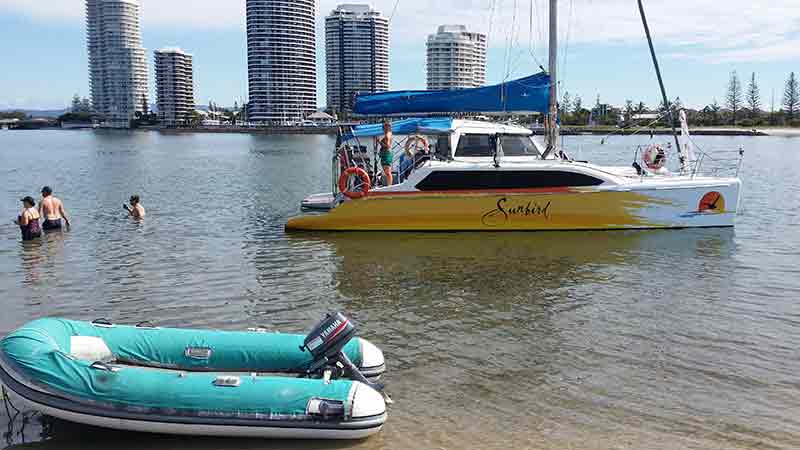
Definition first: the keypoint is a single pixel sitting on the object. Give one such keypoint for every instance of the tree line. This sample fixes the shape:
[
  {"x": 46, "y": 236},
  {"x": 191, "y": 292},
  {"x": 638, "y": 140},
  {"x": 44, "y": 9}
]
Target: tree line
[{"x": 743, "y": 106}]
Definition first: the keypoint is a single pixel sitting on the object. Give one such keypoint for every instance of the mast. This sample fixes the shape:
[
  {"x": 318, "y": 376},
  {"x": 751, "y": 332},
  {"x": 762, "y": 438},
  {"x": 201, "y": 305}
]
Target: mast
[
  {"x": 661, "y": 84},
  {"x": 552, "y": 131}
]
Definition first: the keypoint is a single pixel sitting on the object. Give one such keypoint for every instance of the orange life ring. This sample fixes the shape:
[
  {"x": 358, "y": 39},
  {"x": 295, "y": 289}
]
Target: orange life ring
[
  {"x": 345, "y": 177},
  {"x": 412, "y": 144}
]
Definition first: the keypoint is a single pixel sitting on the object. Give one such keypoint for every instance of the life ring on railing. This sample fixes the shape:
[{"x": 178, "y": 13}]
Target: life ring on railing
[
  {"x": 413, "y": 145},
  {"x": 654, "y": 157},
  {"x": 345, "y": 177}
]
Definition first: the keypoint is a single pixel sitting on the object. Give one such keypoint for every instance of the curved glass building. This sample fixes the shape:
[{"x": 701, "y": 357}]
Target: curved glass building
[
  {"x": 117, "y": 60},
  {"x": 281, "y": 60}
]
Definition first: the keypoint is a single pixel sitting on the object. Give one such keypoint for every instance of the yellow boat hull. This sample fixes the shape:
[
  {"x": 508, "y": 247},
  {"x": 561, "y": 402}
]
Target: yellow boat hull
[{"x": 563, "y": 209}]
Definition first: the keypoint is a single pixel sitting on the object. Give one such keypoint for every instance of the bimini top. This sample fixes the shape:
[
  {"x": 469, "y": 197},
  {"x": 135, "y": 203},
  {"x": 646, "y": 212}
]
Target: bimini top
[
  {"x": 435, "y": 126},
  {"x": 442, "y": 125},
  {"x": 529, "y": 94}
]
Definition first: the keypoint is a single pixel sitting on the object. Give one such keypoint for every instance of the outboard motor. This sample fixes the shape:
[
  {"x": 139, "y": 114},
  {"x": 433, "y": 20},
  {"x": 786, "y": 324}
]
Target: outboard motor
[{"x": 325, "y": 343}]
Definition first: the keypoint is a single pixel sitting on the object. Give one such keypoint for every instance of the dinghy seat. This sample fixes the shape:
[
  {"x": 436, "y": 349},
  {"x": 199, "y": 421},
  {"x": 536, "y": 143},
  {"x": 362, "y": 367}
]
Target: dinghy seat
[{"x": 90, "y": 348}]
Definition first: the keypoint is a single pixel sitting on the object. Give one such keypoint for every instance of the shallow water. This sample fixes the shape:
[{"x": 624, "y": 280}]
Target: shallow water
[{"x": 584, "y": 340}]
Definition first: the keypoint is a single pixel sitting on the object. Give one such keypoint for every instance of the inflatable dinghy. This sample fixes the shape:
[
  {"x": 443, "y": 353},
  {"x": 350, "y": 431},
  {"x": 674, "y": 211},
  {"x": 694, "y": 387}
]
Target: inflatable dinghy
[{"x": 201, "y": 382}]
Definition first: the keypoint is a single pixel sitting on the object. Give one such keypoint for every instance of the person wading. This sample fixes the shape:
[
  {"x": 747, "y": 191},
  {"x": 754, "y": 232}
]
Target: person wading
[
  {"x": 52, "y": 209},
  {"x": 28, "y": 220},
  {"x": 136, "y": 210}
]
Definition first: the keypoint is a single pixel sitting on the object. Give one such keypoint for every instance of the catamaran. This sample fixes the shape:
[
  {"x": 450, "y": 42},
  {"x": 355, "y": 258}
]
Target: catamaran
[{"x": 456, "y": 174}]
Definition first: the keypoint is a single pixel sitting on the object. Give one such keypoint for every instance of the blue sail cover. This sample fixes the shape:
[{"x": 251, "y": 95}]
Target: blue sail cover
[
  {"x": 529, "y": 94},
  {"x": 403, "y": 127}
]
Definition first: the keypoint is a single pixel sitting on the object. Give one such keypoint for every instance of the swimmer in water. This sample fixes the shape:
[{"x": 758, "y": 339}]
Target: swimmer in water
[{"x": 136, "y": 210}]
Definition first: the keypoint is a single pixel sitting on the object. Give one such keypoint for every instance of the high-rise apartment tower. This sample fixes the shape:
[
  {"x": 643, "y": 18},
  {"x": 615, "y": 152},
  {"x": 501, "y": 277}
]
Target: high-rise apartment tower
[
  {"x": 356, "y": 54},
  {"x": 281, "y": 60},
  {"x": 174, "y": 86},
  {"x": 456, "y": 58},
  {"x": 117, "y": 60}
]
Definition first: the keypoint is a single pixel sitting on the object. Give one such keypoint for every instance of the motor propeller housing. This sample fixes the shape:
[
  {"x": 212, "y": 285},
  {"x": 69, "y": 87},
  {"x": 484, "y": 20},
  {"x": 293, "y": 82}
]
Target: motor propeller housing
[{"x": 327, "y": 339}]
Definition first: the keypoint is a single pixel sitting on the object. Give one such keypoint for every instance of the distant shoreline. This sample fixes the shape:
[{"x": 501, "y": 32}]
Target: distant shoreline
[
  {"x": 566, "y": 131},
  {"x": 254, "y": 130},
  {"x": 575, "y": 131}
]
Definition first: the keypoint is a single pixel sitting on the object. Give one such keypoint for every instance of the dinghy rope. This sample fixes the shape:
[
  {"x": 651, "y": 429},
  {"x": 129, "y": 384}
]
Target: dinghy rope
[{"x": 26, "y": 417}]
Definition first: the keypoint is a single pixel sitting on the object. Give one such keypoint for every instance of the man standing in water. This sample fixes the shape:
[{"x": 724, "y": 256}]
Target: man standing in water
[{"x": 52, "y": 211}]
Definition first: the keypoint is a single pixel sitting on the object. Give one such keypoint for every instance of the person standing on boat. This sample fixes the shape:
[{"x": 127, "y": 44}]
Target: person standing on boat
[
  {"x": 52, "y": 209},
  {"x": 28, "y": 220},
  {"x": 136, "y": 210},
  {"x": 385, "y": 154}
]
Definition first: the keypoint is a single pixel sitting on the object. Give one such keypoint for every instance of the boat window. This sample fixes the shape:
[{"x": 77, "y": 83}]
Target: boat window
[
  {"x": 475, "y": 145},
  {"x": 482, "y": 145},
  {"x": 449, "y": 180},
  {"x": 443, "y": 147},
  {"x": 518, "y": 146}
]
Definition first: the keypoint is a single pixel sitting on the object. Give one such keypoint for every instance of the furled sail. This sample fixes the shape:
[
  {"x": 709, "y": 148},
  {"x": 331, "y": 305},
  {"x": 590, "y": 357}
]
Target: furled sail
[
  {"x": 529, "y": 94},
  {"x": 687, "y": 146}
]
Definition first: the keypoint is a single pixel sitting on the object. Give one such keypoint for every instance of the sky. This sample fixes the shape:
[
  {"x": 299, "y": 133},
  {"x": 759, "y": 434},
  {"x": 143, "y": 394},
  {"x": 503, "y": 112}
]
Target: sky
[{"x": 603, "y": 51}]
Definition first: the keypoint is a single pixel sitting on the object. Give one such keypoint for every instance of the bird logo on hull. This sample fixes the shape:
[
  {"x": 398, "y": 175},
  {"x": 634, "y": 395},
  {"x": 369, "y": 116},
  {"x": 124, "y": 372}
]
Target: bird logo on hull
[{"x": 711, "y": 203}]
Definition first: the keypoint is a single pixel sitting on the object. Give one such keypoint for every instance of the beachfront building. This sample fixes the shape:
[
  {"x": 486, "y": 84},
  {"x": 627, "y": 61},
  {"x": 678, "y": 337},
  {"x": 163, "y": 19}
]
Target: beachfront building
[
  {"x": 356, "y": 54},
  {"x": 456, "y": 58},
  {"x": 281, "y": 60},
  {"x": 117, "y": 61},
  {"x": 174, "y": 86}
]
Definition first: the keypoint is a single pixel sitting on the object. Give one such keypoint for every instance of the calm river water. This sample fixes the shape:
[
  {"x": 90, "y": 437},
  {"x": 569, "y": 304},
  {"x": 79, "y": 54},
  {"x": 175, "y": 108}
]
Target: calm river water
[{"x": 640, "y": 340}]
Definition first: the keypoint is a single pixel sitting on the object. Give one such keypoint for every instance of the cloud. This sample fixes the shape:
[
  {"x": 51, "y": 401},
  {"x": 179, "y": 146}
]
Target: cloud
[{"x": 730, "y": 31}]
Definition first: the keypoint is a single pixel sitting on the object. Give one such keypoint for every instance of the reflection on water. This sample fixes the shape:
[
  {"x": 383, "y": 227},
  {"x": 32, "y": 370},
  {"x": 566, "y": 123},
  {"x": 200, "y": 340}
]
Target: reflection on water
[
  {"x": 41, "y": 259},
  {"x": 586, "y": 340}
]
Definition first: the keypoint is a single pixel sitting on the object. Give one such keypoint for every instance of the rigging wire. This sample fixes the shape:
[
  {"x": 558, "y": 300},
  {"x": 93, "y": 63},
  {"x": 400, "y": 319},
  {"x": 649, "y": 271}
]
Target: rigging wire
[
  {"x": 492, "y": 9},
  {"x": 510, "y": 43},
  {"x": 639, "y": 128},
  {"x": 531, "y": 46},
  {"x": 562, "y": 70},
  {"x": 394, "y": 10}
]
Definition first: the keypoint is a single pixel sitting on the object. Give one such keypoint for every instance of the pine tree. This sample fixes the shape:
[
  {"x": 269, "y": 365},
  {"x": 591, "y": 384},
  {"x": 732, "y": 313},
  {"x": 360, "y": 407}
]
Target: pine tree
[
  {"x": 628, "y": 110},
  {"x": 791, "y": 97},
  {"x": 733, "y": 99},
  {"x": 566, "y": 104},
  {"x": 753, "y": 98},
  {"x": 577, "y": 105}
]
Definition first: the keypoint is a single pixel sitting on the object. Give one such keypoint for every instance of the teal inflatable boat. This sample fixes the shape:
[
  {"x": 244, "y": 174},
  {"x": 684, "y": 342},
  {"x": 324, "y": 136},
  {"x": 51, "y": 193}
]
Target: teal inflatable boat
[{"x": 203, "y": 382}]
